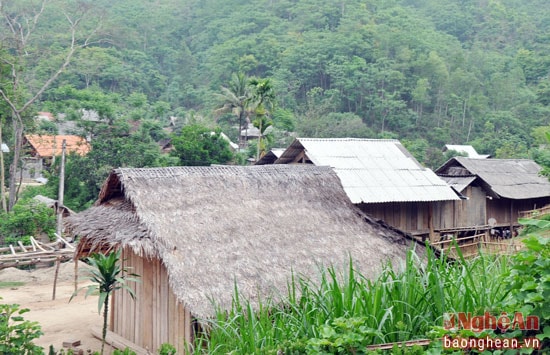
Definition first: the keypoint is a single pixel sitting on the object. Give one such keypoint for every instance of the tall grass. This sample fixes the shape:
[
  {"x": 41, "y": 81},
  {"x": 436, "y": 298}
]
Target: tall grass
[{"x": 402, "y": 303}]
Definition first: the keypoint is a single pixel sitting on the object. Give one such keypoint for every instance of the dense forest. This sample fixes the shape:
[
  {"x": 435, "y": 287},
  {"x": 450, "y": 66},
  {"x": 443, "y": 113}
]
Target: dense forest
[{"x": 428, "y": 73}]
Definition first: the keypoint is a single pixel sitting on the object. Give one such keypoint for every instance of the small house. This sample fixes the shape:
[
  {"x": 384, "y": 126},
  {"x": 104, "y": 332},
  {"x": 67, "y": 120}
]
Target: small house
[
  {"x": 194, "y": 233},
  {"x": 496, "y": 190},
  {"x": 468, "y": 150},
  {"x": 42, "y": 150},
  {"x": 380, "y": 177},
  {"x": 271, "y": 156}
]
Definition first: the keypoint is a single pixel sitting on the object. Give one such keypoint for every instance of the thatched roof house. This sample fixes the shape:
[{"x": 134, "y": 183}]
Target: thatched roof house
[
  {"x": 497, "y": 189},
  {"x": 193, "y": 232},
  {"x": 380, "y": 176}
]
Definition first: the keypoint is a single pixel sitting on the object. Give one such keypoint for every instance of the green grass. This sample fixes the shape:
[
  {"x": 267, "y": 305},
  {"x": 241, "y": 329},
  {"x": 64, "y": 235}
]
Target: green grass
[
  {"x": 9, "y": 284},
  {"x": 401, "y": 304}
]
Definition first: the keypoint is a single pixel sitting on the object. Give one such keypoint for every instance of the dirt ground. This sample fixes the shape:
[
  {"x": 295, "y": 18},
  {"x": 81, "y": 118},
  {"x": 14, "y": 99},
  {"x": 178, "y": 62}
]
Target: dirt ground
[{"x": 60, "y": 320}]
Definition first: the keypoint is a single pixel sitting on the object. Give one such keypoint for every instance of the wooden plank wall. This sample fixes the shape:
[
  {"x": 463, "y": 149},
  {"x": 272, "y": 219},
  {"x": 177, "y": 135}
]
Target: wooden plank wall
[
  {"x": 463, "y": 213},
  {"x": 155, "y": 316},
  {"x": 500, "y": 208},
  {"x": 407, "y": 216}
]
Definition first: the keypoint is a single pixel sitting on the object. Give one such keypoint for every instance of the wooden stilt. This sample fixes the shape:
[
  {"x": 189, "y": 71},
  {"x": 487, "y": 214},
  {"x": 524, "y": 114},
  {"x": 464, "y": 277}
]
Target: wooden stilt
[{"x": 57, "y": 264}]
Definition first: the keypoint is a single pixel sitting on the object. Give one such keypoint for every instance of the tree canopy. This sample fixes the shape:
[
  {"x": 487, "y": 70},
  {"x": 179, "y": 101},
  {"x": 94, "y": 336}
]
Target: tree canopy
[{"x": 428, "y": 73}]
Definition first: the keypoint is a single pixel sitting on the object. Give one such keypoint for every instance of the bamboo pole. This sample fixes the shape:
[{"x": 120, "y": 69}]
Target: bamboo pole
[
  {"x": 75, "y": 275},
  {"x": 61, "y": 190},
  {"x": 57, "y": 264},
  {"x": 2, "y": 176}
]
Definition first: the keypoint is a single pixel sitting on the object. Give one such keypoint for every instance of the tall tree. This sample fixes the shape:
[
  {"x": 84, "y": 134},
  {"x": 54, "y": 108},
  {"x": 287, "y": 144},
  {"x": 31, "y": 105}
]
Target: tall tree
[
  {"x": 197, "y": 145},
  {"x": 235, "y": 98},
  {"x": 21, "y": 24},
  {"x": 263, "y": 102}
]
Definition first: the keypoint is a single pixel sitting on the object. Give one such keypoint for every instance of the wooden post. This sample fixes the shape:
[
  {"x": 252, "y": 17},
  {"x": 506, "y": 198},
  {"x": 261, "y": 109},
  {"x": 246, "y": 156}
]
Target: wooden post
[
  {"x": 511, "y": 218},
  {"x": 430, "y": 222},
  {"x": 57, "y": 263},
  {"x": 75, "y": 274},
  {"x": 61, "y": 190},
  {"x": 2, "y": 177}
]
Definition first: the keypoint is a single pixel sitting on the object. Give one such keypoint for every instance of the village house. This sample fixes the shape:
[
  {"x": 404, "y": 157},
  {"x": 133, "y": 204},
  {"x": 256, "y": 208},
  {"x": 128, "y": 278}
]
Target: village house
[
  {"x": 380, "y": 177},
  {"x": 41, "y": 151},
  {"x": 194, "y": 233},
  {"x": 271, "y": 156},
  {"x": 496, "y": 191},
  {"x": 468, "y": 150}
]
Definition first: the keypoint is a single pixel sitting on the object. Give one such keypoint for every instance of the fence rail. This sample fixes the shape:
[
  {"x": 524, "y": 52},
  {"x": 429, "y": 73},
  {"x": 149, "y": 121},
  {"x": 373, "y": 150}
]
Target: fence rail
[
  {"x": 535, "y": 213},
  {"x": 471, "y": 245}
]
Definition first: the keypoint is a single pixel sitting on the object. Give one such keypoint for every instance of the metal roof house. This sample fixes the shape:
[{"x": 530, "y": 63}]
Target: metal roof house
[
  {"x": 43, "y": 149},
  {"x": 194, "y": 233},
  {"x": 381, "y": 177},
  {"x": 466, "y": 149},
  {"x": 496, "y": 190},
  {"x": 271, "y": 156}
]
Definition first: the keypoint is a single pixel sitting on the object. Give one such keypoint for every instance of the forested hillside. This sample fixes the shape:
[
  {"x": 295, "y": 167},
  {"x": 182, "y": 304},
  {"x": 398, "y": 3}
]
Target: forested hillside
[{"x": 426, "y": 72}]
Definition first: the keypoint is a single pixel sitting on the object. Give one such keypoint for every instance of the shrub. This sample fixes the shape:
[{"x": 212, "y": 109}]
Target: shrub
[
  {"x": 28, "y": 218},
  {"x": 17, "y": 334},
  {"x": 529, "y": 280}
]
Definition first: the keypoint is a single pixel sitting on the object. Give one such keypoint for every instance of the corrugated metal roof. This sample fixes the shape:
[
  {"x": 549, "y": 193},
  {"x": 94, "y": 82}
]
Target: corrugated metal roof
[
  {"x": 468, "y": 149},
  {"x": 509, "y": 178},
  {"x": 459, "y": 183},
  {"x": 373, "y": 170},
  {"x": 49, "y": 146}
]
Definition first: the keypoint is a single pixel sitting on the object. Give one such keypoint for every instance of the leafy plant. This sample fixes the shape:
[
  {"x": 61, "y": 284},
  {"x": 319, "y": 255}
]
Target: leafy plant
[
  {"x": 28, "y": 218},
  {"x": 16, "y": 333},
  {"x": 107, "y": 276},
  {"x": 343, "y": 336},
  {"x": 529, "y": 280},
  {"x": 167, "y": 349}
]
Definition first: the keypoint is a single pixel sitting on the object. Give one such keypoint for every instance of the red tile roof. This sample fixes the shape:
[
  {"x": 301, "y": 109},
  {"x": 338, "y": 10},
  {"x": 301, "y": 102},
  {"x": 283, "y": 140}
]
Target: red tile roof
[{"x": 48, "y": 146}]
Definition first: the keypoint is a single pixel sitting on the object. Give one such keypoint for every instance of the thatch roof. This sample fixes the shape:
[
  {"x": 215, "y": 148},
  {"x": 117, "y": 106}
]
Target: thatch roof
[
  {"x": 371, "y": 170},
  {"x": 51, "y": 203},
  {"x": 212, "y": 226},
  {"x": 508, "y": 178}
]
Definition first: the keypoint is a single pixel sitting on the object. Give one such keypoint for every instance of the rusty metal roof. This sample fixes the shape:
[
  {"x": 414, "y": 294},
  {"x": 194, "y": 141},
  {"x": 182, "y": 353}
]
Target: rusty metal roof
[
  {"x": 48, "y": 146},
  {"x": 372, "y": 170}
]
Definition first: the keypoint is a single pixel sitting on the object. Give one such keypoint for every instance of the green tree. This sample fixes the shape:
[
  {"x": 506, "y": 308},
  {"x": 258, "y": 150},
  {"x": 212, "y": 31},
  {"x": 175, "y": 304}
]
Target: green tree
[
  {"x": 196, "y": 145},
  {"x": 262, "y": 101},
  {"x": 107, "y": 276},
  {"x": 234, "y": 99},
  {"x": 24, "y": 84}
]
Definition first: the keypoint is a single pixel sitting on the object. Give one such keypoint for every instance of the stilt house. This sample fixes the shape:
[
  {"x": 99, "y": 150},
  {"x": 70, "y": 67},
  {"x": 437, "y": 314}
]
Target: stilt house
[
  {"x": 380, "y": 177},
  {"x": 496, "y": 190},
  {"x": 193, "y": 233}
]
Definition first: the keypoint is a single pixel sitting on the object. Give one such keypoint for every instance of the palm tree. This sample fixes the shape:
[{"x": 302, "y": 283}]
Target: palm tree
[
  {"x": 108, "y": 276},
  {"x": 263, "y": 101},
  {"x": 234, "y": 99}
]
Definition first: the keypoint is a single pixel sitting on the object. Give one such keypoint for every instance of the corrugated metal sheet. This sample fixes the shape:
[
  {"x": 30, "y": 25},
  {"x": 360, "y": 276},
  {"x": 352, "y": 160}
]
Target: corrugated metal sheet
[
  {"x": 509, "y": 178},
  {"x": 373, "y": 170},
  {"x": 459, "y": 183},
  {"x": 468, "y": 149}
]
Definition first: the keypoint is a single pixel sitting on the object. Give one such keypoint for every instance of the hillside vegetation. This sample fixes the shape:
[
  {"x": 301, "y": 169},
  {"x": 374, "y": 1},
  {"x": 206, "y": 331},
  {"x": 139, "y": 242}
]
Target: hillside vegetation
[{"x": 426, "y": 72}]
